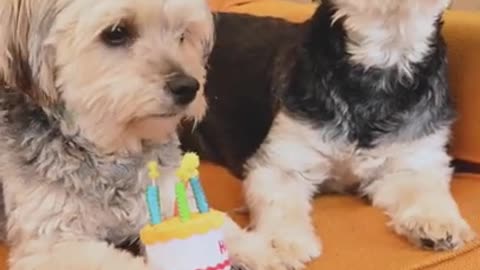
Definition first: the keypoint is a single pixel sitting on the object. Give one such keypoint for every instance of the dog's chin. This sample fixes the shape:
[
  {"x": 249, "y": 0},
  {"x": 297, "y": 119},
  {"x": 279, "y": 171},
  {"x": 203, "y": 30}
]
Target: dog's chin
[{"x": 158, "y": 128}]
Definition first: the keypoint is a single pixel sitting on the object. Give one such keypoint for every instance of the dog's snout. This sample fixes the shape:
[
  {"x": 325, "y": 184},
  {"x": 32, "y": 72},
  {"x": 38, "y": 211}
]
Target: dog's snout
[{"x": 183, "y": 88}]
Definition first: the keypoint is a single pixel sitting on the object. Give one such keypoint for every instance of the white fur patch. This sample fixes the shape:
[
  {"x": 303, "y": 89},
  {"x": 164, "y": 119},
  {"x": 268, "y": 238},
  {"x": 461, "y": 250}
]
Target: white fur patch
[{"x": 389, "y": 33}]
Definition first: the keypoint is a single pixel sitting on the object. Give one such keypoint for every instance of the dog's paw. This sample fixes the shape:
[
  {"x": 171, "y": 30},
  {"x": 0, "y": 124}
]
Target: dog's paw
[
  {"x": 253, "y": 252},
  {"x": 294, "y": 249},
  {"x": 435, "y": 231},
  {"x": 257, "y": 252},
  {"x": 287, "y": 248}
]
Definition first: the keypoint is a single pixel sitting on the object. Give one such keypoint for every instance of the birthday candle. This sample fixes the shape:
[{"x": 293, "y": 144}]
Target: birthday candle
[
  {"x": 153, "y": 204},
  {"x": 152, "y": 194},
  {"x": 200, "y": 199},
  {"x": 182, "y": 201},
  {"x": 189, "y": 172}
]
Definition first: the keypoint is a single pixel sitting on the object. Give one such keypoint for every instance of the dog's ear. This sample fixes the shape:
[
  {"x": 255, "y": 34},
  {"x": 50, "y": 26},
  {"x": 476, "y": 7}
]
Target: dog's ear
[{"x": 26, "y": 56}]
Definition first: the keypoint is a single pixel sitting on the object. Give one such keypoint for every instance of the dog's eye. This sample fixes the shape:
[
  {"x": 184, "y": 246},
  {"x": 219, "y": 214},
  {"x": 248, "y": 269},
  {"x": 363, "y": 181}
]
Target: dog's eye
[{"x": 117, "y": 35}]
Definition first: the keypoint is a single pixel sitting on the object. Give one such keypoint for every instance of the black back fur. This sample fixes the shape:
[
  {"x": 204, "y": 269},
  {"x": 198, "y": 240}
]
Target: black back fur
[{"x": 240, "y": 92}]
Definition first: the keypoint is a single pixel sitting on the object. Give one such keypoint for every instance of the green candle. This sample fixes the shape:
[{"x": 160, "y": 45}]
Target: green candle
[{"x": 182, "y": 202}]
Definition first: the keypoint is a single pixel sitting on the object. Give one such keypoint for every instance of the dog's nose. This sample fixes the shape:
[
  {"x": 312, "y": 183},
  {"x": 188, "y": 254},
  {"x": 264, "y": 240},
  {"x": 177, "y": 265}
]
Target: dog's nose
[{"x": 183, "y": 88}]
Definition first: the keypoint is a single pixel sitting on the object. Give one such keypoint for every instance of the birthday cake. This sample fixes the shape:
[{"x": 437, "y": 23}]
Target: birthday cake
[
  {"x": 193, "y": 245},
  {"x": 190, "y": 240}
]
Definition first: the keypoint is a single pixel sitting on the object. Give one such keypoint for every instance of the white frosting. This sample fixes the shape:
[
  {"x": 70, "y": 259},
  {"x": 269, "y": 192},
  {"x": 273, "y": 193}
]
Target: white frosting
[{"x": 195, "y": 253}]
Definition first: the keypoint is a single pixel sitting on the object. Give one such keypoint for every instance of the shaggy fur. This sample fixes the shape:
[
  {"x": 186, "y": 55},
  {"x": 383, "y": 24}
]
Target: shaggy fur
[
  {"x": 89, "y": 92},
  {"x": 354, "y": 100}
]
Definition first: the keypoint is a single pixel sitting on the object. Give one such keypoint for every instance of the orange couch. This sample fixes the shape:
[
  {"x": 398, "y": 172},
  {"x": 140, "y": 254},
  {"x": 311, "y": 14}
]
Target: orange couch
[{"x": 354, "y": 234}]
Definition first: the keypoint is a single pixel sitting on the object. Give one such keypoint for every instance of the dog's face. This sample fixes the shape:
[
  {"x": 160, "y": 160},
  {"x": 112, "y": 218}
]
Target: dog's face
[{"x": 121, "y": 70}]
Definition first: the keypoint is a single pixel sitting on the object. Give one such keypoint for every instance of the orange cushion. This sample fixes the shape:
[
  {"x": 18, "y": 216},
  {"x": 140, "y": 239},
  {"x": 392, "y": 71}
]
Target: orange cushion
[
  {"x": 461, "y": 32},
  {"x": 355, "y": 235}
]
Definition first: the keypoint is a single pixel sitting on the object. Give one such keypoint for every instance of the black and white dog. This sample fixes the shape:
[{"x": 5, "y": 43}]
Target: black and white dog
[{"x": 354, "y": 99}]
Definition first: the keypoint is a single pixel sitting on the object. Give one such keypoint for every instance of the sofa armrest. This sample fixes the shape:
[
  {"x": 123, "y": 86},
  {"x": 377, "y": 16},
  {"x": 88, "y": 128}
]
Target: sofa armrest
[
  {"x": 292, "y": 11},
  {"x": 462, "y": 33}
]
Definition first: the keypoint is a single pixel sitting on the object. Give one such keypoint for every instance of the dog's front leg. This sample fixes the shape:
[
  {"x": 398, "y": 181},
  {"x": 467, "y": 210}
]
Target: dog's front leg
[
  {"x": 49, "y": 254},
  {"x": 415, "y": 192},
  {"x": 280, "y": 205},
  {"x": 279, "y": 193},
  {"x": 282, "y": 236}
]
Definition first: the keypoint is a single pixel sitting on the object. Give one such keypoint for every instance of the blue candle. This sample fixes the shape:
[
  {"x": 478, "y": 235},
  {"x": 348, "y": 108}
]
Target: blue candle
[
  {"x": 200, "y": 199},
  {"x": 153, "y": 204}
]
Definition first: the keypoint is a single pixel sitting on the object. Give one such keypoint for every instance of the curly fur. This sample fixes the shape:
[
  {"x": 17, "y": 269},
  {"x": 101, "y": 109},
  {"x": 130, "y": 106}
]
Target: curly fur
[{"x": 80, "y": 115}]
